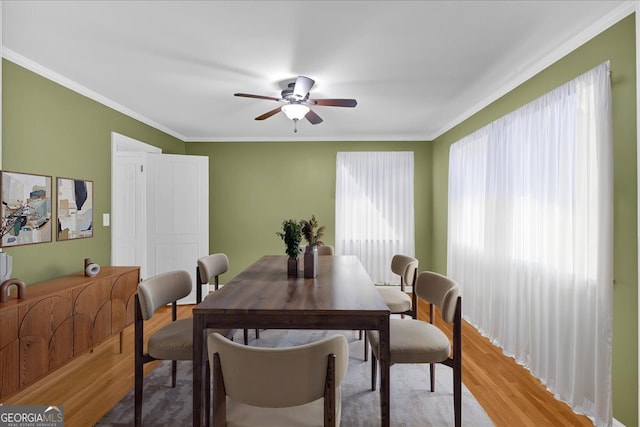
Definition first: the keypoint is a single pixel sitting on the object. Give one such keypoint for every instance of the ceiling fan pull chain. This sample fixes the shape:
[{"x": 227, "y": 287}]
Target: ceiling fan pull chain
[{"x": 295, "y": 125}]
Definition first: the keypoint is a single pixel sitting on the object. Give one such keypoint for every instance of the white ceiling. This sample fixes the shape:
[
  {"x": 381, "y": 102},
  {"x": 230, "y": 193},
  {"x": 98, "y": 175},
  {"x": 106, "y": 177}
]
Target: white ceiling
[{"x": 416, "y": 68}]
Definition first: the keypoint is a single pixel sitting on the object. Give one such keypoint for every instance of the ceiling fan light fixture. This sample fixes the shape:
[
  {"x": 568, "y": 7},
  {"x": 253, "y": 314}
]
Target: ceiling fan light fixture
[{"x": 295, "y": 111}]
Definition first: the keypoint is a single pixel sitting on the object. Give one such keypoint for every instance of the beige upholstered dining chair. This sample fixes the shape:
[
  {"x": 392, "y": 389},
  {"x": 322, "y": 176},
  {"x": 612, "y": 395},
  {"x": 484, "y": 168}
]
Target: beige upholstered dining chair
[
  {"x": 287, "y": 386},
  {"x": 209, "y": 268},
  {"x": 325, "y": 250},
  {"x": 398, "y": 300},
  {"x": 173, "y": 341},
  {"x": 416, "y": 341}
]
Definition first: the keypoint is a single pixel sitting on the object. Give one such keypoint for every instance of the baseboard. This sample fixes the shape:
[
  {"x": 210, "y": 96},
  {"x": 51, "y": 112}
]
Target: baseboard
[{"x": 617, "y": 423}]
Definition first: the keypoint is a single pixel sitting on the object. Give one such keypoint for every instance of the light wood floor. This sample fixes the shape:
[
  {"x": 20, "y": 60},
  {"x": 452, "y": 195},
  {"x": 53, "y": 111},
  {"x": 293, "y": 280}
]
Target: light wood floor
[{"x": 89, "y": 386}]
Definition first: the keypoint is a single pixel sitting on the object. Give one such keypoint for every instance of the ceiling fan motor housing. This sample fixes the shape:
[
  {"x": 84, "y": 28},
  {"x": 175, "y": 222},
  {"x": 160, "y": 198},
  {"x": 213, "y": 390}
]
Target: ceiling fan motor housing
[{"x": 287, "y": 94}]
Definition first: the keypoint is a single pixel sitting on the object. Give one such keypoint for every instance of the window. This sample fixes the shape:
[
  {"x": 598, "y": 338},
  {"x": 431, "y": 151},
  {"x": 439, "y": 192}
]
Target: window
[
  {"x": 374, "y": 209},
  {"x": 530, "y": 238}
]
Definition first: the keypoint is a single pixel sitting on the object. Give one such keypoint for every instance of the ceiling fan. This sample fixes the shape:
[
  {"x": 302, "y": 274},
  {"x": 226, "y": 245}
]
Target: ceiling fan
[{"x": 296, "y": 102}]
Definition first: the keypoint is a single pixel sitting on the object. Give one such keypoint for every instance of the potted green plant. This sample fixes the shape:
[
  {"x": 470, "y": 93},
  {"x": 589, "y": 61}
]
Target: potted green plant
[
  {"x": 313, "y": 235},
  {"x": 291, "y": 235}
]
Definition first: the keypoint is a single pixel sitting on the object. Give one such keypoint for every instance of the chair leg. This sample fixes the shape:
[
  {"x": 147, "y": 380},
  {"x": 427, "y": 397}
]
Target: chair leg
[
  {"x": 457, "y": 395},
  {"x": 139, "y": 375},
  {"x": 374, "y": 371},
  {"x": 457, "y": 363},
  {"x": 174, "y": 372},
  {"x": 432, "y": 376},
  {"x": 138, "y": 370}
]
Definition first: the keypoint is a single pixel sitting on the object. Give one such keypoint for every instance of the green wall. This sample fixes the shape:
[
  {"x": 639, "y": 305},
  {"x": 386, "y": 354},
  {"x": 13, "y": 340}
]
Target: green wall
[
  {"x": 617, "y": 44},
  {"x": 50, "y": 130},
  {"x": 254, "y": 186}
]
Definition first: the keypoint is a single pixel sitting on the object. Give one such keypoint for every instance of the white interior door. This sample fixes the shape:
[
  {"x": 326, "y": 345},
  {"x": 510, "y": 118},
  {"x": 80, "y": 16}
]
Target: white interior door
[
  {"x": 177, "y": 214},
  {"x": 128, "y": 243},
  {"x": 129, "y": 201},
  {"x": 154, "y": 202}
]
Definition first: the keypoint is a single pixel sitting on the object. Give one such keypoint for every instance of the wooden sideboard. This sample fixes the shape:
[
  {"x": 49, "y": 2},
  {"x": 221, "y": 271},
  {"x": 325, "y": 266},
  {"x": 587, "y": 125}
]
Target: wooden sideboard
[{"x": 61, "y": 319}]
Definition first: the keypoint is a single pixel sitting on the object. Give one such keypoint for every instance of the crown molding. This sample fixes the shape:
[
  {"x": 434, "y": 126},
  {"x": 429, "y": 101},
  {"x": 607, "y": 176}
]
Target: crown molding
[
  {"x": 601, "y": 25},
  {"x": 370, "y": 138},
  {"x": 70, "y": 84},
  {"x": 607, "y": 21}
]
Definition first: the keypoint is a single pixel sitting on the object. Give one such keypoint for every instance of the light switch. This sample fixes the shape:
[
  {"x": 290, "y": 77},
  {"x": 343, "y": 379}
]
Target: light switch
[{"x": 105, "y": 219}]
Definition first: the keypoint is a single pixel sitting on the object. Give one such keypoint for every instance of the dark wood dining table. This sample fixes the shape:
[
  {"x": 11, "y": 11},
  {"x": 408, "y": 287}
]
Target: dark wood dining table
[{"x": 341, "y": 297}]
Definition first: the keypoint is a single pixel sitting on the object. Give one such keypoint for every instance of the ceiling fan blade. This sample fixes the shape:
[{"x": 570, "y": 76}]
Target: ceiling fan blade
[
  {"x": 334, "y": 102},
  {"x": 269, "y": 114},
  {"x": 302, "y": 87},
  {"x": 313, "y": 118},
  {"x": 248, "y": 95}
]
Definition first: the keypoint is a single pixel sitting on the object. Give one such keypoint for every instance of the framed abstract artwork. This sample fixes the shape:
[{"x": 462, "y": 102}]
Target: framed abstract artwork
[
  {"x": 26, "y": 209},
  {"x": 75, "y": 209}
]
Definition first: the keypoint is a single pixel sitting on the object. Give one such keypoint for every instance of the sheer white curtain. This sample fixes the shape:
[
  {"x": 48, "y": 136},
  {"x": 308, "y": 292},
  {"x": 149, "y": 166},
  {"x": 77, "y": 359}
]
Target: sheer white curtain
[
  {"x": 530, "y": 235},
  {"x": 374, "y": 209}
]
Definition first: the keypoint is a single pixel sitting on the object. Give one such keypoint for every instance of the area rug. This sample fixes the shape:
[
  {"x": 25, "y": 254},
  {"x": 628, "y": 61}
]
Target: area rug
[{"x": 412, "y": 404}]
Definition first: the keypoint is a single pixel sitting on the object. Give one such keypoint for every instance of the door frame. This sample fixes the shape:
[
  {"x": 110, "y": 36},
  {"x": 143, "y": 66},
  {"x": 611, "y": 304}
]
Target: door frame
[{"x": 121, "y": 143}]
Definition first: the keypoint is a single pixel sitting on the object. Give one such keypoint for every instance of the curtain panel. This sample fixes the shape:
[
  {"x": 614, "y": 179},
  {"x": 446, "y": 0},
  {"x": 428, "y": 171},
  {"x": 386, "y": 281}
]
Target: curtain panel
[
  {"x": 530, "y": 238},
  {"x": 374, "y": 209}
]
